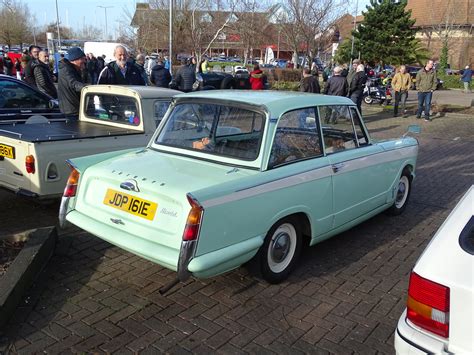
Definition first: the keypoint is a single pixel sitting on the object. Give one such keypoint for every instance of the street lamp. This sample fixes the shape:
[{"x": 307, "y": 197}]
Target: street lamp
[
  {"x": 355, "y": 23},
  {"x": 57, "y": 25},
  {"x": 105, "y": 11}
]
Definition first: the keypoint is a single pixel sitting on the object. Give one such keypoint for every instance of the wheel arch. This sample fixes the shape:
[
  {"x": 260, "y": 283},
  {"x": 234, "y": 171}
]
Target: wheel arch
[{"x": 304, "y": 222}]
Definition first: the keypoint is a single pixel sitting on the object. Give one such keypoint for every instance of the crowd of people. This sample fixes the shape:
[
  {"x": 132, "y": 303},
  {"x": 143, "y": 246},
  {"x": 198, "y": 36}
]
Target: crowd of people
[
  {"x": 80, "y": 69},
  {"x": 351, "y": 83}
]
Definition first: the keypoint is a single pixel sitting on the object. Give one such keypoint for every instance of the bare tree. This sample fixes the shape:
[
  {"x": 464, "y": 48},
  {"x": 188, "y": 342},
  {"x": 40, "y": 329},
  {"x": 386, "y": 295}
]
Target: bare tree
[
  {"x": 14, "y": 20},
  {"x": 253, "y": 18},
  {"x": 308, "y": 21},
  {"x": 445, "y": 20},
  {"x": 88, "y": 32}
]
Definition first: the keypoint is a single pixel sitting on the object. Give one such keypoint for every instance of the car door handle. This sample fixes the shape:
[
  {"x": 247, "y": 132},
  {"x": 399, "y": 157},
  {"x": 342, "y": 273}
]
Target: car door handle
[{"x": 336, "y": 167}]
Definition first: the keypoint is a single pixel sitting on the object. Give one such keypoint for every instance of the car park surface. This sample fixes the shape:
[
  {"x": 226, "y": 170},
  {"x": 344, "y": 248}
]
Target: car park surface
[{"x": 346, "y": 296}]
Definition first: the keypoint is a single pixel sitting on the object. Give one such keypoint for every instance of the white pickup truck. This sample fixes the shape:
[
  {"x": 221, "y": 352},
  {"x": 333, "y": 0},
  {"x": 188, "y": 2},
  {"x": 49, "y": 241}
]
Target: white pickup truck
[{"x": 33, "y": 155}]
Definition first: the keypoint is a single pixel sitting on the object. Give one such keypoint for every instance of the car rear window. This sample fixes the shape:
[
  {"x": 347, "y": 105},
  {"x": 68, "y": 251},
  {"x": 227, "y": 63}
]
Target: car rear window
[
  {"x": 112, "y": 108},
  {"x": 466, "y": 238},
  {"x": 215, "y": 129}
]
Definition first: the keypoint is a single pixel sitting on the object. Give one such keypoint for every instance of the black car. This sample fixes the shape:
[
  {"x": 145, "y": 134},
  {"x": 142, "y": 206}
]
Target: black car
[
  {"x": 19, "y": 101},
  {"x": 220, "y": 80}
]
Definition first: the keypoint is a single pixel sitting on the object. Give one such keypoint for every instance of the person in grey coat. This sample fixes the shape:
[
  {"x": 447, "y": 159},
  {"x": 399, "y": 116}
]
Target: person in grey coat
[
  {"x": 337, "y": 84},
  {"x": 70, "y": 81},
  {"x": 43, "y": 77}
]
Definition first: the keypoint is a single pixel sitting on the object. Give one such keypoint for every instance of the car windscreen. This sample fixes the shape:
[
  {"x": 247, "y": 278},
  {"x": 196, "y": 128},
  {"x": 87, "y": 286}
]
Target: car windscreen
[{"x": 216, "y": 129}]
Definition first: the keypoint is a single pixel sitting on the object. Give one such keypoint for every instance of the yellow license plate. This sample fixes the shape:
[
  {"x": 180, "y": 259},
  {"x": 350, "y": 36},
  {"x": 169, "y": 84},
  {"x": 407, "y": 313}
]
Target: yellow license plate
[
  {"x": 7, "y": 151},
  {"x": 131, "y": 204}
]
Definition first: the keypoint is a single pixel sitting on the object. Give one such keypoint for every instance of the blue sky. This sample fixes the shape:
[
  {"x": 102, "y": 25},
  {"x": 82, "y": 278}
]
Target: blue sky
[{"x": 77, "y": 13}]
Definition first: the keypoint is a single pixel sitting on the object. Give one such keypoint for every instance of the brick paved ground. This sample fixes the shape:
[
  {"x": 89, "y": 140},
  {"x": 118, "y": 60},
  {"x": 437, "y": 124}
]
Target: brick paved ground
[{"x": 345, "y": 297}]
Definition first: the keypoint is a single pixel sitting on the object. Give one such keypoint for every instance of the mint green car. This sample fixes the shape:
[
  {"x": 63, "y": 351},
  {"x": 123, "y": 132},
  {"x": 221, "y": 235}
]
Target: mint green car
[{"x": 233, "y": 175}]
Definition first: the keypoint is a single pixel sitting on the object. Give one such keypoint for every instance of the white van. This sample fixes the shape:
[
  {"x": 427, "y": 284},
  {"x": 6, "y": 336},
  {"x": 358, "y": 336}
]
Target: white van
[{"x": 103, "y": 48}]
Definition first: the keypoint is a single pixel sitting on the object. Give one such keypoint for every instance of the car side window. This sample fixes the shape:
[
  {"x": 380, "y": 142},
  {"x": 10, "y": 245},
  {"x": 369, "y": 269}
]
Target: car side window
[
  {"x": 15, "y": 95},
  {"x": 160, "y": 109},
  {"x": 338, "y": 131},
  {"x": 296, "y": 137},
  {"x": 362, "y": 138}
]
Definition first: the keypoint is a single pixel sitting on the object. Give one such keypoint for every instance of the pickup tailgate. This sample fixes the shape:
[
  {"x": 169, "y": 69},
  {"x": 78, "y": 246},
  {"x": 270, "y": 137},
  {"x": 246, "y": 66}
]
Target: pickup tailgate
[
  {"x": 139, "y": 201},
  {"x": 13, "y": 174}
]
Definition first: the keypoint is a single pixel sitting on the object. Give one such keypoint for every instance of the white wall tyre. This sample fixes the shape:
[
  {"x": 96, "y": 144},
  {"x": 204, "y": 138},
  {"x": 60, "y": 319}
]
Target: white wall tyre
[
  {"x": 281, "y": 249},
  {"x": 401, "y": 195},
  {"x": 368, "y": 100}
]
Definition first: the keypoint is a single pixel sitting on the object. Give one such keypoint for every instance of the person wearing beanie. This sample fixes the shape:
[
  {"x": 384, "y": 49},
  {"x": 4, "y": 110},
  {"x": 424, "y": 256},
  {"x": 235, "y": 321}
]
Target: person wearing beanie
[{"x": 70, "y": 81}]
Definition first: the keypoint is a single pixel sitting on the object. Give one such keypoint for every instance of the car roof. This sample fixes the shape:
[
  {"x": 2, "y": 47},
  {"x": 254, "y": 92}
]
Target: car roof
[{"x": 277, "y": 102}]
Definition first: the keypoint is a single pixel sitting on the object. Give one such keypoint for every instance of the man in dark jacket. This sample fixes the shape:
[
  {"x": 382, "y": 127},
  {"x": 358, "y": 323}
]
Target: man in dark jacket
[
  {"x": 70, "y": 81},
  {"x": 185, "y": 77},
  {"x": 310, "y": 82},
  {"x": 160, "y": 76},
  {"x": 356, "y": 88},
  {"x": 100, "y": 63},
  {"x": 8, "y": 65},
  {"x": 43, "y": 77},
  {"x": 121, "y": 71},
  {"x": 92, "y": 69},
  {"x": 337, "y": 84},
  {"x": 29, "y": 75}
]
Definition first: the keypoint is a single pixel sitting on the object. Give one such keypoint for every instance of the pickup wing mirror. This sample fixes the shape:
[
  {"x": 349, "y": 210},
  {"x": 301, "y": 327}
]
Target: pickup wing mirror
[
  {"x": 53, "y": 103},
  {"x": 414, "y": 128}
]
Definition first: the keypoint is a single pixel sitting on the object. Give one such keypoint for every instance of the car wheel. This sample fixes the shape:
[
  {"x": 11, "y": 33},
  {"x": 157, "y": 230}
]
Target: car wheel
[
  {"x": 281, "y": 250},
  {"x": 227, "y": 83},
  {"x": 402, "y": 195},
  {"x": 368, "y": 100}
]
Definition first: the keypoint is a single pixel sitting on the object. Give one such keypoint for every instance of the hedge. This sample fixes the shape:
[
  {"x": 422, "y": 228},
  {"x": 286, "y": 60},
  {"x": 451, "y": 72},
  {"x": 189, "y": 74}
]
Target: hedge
[{"x": 451, "y": 81}]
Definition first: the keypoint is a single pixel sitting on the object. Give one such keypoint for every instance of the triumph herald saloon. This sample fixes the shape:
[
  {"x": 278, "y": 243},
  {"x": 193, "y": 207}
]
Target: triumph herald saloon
[{"x": 233, "y": 175}]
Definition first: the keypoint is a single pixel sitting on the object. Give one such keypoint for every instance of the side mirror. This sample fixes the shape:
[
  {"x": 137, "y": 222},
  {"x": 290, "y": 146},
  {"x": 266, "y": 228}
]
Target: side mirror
[
  {"x": 414, "y": 128},
  {"x": 53, "y": 103}
]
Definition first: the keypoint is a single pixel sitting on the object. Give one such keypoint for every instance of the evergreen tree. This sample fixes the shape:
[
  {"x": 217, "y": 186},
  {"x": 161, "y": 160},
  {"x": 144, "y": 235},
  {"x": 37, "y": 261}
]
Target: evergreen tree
[{"x": 386, "y": 35}]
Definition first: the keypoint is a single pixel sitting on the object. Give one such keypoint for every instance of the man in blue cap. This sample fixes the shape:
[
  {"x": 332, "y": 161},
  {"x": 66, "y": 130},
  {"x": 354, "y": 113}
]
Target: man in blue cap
[{"x": 70, "y": 81}]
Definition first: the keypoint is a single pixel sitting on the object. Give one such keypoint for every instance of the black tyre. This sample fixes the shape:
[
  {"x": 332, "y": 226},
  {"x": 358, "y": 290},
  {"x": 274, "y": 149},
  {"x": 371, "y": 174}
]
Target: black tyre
[
  {"x": 281, "y": 250},
  {"x": 228, "y": 83},
  {"x": 402, "y": 195}
]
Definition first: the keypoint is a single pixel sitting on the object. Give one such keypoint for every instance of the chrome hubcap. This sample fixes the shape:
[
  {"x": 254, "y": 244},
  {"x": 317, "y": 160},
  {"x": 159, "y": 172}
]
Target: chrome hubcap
[
  {"x": 402, "y": 192},
  {"x": 280, "y": 247}
]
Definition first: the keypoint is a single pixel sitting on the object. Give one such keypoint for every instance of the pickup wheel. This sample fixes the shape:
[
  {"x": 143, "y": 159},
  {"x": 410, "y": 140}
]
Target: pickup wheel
[
  {"x": 281, "y": 250},
  {"x": 402, "y": 195}
]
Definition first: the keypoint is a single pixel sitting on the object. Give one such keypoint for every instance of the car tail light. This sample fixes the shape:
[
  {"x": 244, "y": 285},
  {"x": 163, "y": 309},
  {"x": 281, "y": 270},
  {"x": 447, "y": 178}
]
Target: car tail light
[
  {"x": 30, "y": 164},
  {"x": 71, "y": 186},
  {"x": 193, "y": 223},
  {"x": 428, "y": 305}
]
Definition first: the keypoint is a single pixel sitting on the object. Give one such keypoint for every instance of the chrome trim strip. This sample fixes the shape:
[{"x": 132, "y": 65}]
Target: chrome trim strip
[{"x": 318, "y": 173}]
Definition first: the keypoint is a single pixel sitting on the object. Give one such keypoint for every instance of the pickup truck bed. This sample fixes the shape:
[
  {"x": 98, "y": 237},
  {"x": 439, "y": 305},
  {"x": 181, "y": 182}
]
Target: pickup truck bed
[{"x": 60, "y": 131}]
